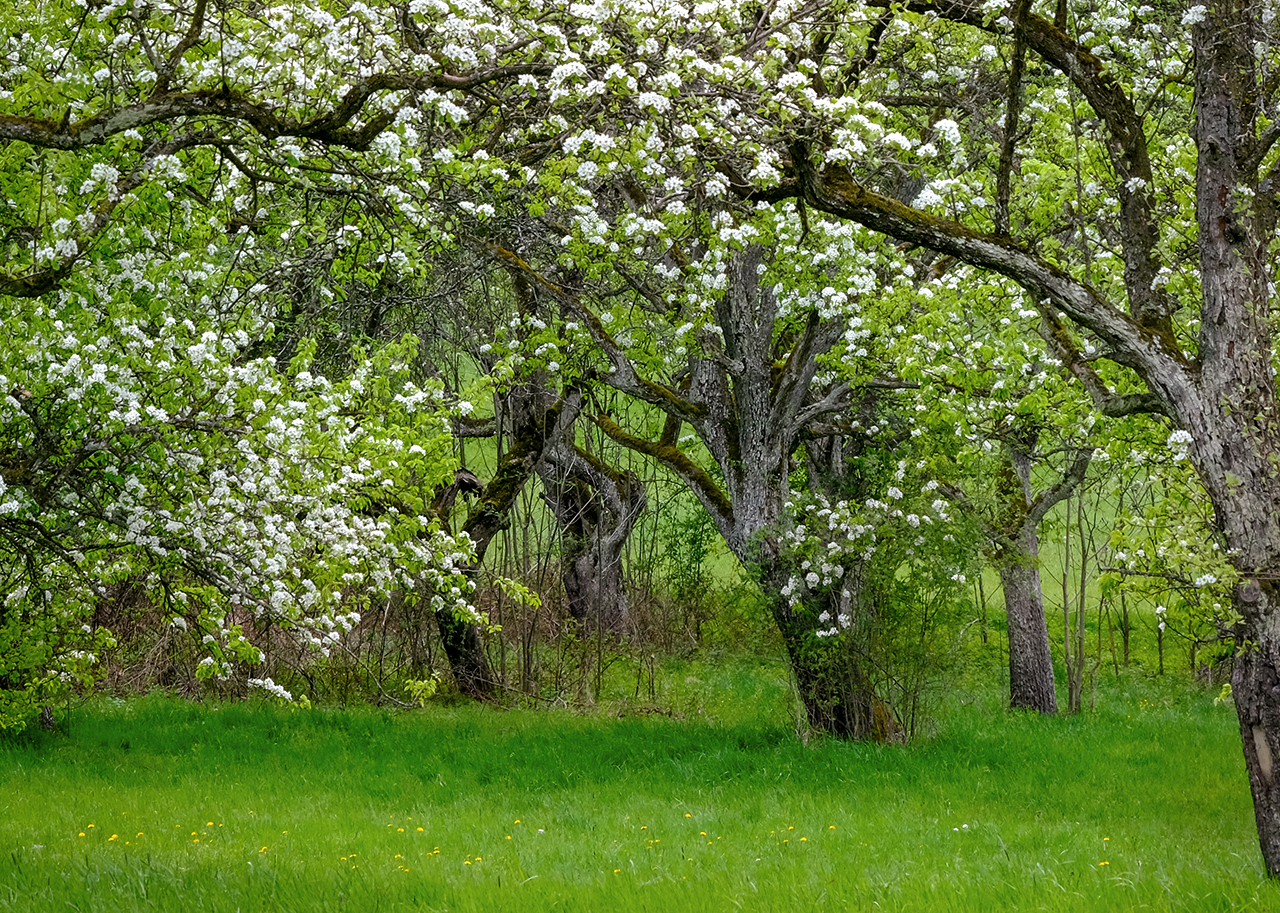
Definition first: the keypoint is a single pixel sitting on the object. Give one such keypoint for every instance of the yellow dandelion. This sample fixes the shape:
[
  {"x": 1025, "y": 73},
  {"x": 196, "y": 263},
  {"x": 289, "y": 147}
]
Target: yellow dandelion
[
  {"x": 508, "y": 836},
  {"x": 831, "y": 827},
  {"x": 792, "y": 828},
  {"x": 112, "y": 837},
  {"x": 517, "y": 821},
  {"x": 479, "y": 859},
  {"x": 703, "y": 833},
  {"x": 1106, "y": 838},
  {"x": 419, "y": 830},
  {"x": 208, "y": 824},
  {"x": 1104, "y": 862},
  {"x": 804, "y": 839},
  {"x": 139, "y": 834},
  {"x": 193, "y": 833},
  {"x": 468, "y": 862},
  {"x": 616, "y": 871},
  {"x": 197, "y": 840},
  {"x": 91, "y": 825},
  {"x": 400, "y": 830},
  {"x": 643, "y": 827},
  {"x": 263, "y": 850},
  {"x": 82, "y": 833},
  {"x": 687, "y": 815},
  {"x": 398, "y": 856}
]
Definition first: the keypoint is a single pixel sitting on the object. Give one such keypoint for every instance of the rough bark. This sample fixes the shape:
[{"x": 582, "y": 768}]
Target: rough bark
[
  {"x": 1031, "y": 685},
  {"x": 596, "y": 508}
]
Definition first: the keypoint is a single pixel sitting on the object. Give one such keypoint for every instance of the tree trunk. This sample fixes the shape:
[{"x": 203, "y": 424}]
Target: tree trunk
[
  {"x": 465, "y": 650},
  {"x": 463, "y": 644},
  {"x": 1031, "y": 685},
  {"x": 837, "y": 693},
  {"x": 1255, "y": 686},
  {"x": 596, "y": 507}
]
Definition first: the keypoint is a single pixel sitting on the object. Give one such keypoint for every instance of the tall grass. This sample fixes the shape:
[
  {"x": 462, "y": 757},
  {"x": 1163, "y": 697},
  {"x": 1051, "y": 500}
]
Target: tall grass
[{"x": 160, "y": 804}]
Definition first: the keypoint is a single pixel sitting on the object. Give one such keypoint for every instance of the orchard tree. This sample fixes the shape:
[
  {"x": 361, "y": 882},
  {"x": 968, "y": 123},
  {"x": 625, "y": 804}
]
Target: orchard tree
[
  {"x": 1169, "y": 113},
  {"x": 171, "y": 171}
]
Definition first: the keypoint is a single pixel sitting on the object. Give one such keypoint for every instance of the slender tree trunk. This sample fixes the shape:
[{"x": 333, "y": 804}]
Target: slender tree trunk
[{"x": 1031, "y": 684}]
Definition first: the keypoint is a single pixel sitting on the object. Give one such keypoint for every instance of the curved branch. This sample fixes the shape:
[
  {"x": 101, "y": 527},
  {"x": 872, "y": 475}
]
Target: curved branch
[
  {"x": 693, "y": 475},
  {"x": 1150, "y": 305},
  {"x": 332, "y": 128},
  {"x": 1153, "y": 353}
]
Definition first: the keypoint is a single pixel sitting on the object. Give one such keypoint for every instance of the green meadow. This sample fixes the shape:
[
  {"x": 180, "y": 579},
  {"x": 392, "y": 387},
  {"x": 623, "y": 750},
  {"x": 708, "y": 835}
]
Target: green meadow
[{"x": 160, "y": 804}]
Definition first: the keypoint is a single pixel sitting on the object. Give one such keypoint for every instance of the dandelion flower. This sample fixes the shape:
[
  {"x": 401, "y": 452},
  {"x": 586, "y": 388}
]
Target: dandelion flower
[
  {"x": 687, "y": 815},
  {"x": 263, "y": 850},
  {"x": 112, "y": 837},
  {"x": 82, "y": 833},
  {"x": 419, "y": 830}
]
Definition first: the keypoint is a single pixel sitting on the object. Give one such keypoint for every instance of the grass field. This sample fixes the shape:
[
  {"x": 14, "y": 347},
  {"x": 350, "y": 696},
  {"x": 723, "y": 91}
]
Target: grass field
[{"x": 156, "y": 804}]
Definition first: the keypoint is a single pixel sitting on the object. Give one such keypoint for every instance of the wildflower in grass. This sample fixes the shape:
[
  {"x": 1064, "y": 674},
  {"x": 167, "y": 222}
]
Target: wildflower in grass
[
  {"x": 139, "y": 834},
  {"x": 687, "y": 815},
  {"x": 419, "y": 830},
  {"x": 113, "y": 837},
  {"x": 1104, "y": 862},
  {"x": 82, "y": 833},
  {"x": 208, "y": 824},
  {"x": 831, "y": 827},
  {"x": 263, "y": 850},
  {"x": 400, "y": 830}
]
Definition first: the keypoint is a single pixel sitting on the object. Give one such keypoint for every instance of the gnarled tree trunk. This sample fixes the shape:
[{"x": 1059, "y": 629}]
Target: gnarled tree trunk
[{"x": 596, "y": 507}]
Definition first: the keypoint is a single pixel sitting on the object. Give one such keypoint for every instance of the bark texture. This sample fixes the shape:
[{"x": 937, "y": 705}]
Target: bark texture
[
  {"x": 1031, "y": 684},
  {"x": 596, "y": 507}
]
